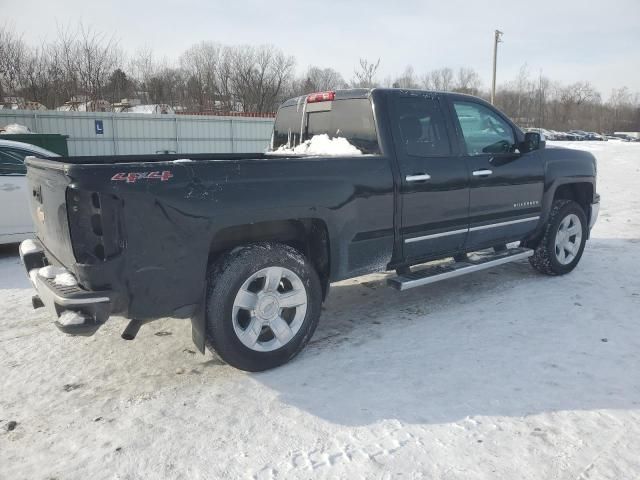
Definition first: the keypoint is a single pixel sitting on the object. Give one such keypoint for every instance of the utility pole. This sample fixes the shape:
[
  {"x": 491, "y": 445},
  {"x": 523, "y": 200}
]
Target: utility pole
[{"x": 497, "y": 39}]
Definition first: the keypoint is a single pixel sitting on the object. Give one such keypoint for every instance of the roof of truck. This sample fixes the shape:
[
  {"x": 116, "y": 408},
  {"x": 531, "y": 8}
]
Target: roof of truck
[
  {"x": 340, "y": 95},
  {"x": 344, "y": 94}
]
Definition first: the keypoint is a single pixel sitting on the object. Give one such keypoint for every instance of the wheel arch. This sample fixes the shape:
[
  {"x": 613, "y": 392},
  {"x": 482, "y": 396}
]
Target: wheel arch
[
  {"x": 310, "y": 236},
  {"x": 579, "y": 192}
]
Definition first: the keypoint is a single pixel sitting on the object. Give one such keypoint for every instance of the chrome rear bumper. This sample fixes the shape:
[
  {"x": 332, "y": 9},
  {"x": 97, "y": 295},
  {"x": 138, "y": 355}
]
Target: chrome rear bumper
[{"x": 74, "y": 310}]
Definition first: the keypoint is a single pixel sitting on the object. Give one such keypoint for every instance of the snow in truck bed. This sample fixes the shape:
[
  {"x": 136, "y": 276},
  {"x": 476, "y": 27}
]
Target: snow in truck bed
[{"x": 320, "y": 145}]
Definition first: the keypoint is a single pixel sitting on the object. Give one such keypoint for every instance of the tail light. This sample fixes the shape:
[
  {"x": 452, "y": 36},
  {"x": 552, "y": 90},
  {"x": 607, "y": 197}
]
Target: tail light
[
  {"x": 321, "y": 97},
  {"x": 94, "y": 225}
]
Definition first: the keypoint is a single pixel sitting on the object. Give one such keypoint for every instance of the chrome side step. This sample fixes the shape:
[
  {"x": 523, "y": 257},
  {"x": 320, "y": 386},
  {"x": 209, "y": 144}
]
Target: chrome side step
[{"x": 476, "y": 262}]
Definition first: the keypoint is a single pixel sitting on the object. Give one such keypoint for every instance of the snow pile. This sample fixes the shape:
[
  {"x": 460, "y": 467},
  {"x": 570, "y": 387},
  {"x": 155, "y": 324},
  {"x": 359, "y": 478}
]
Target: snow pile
[
  {"x": 69, "y": 317},
  {"x": 28, "y": 246},
  {"x": 50, "y": 271},
  {"x": 15, "y": 129},
  {"x": 321, "y": 145},
  {"x": 59, "y": 275},
  {"x": 65, "y": 280}
]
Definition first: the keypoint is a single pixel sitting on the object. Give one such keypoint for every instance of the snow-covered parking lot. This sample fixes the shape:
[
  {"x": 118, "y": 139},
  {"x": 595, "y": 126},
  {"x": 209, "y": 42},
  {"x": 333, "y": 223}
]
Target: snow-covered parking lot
[{"x": 502, "y": 374}]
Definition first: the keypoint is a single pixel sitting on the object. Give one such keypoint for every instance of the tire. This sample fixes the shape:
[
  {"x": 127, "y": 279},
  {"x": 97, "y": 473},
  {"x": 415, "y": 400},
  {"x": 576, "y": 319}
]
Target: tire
[
  {"x": 239, "y": 323},
  {"x": 552, "y": 259}
]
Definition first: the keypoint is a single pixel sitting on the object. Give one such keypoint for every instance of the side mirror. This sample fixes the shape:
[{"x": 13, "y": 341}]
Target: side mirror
[{"x": 532, "y": 141}]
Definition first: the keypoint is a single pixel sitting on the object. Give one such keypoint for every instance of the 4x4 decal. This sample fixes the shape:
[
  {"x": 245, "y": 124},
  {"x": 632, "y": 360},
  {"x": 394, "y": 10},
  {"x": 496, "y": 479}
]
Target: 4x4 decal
[{"x": 133, "y": 177}]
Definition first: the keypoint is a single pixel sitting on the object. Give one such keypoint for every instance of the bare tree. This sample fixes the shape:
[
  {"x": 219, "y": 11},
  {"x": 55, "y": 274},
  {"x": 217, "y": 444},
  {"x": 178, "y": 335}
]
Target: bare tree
[
  {"x": 259, "y": 77},
  {"x": 87, "y": 58},
  {"x": 441, "y": 79},
  {"x": 13, "y": 54},
  {"x": 322, "y": 79},
  {"x": 200, "y": 63},
  {"x": 96, "y": 56},
  {"x": 407, "y": 79},
  {"x": 365, "y": 74},
  {"x": 467, "y": 81}
]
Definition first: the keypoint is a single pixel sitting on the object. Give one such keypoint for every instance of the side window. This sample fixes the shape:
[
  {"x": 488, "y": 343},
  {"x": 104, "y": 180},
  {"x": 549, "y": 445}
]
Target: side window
[
  {"x": 12, "y": 162},
  {"x": 286, "y": 129},
  {"x": 422, "y": 127},
  {"x": 484, "y": 131}
]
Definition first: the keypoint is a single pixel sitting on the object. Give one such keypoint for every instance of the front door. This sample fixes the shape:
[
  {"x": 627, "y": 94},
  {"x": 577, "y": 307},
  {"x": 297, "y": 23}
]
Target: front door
[
  {"x": 434, "y": 191},
  {"x": 506, "y": 186}
]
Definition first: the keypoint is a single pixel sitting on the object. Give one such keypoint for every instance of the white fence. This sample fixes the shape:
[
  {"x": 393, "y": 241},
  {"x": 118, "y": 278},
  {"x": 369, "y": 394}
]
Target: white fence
[{"x": 97, "y": 133}]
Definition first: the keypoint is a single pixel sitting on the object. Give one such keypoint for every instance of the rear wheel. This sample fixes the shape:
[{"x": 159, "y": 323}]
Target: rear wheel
[
  {"x": 562, "y": 244},
  {"x": 263, "y": 305}
]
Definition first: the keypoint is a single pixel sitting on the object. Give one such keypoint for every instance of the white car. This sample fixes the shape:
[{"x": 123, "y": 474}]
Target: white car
[{"x": 15, "y": 218}]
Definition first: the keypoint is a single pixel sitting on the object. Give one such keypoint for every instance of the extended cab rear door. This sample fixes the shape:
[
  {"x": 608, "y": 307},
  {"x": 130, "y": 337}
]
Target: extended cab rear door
[
  {"x": 434, "y": 187},
  {"x": 506, "y": 186}
]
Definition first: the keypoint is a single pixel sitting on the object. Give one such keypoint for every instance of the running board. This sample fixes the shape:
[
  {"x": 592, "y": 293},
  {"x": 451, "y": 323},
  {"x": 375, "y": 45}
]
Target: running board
[{"x": 475, "y": 263}]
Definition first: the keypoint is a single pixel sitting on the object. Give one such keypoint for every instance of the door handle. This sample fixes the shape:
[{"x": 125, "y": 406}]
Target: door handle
[
  {"x": 418, "y": 177},
  {"x": 482, "y": 173}
]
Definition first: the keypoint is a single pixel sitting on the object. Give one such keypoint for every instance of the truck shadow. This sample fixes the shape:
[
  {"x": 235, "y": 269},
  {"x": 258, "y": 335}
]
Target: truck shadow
[{"x": 507, "y": 342}]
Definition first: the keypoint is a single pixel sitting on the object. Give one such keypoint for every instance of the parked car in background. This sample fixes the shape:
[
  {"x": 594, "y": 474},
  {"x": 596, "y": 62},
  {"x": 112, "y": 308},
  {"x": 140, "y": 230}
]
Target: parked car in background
[
  {"x": 15, "y": 219},
  {"x": 579, "y": 135},
  {"x": 548, "y": 134},
  {"x": 559, "y": 135},
  {"x": 620, "y": 138},
  {"x": 597, "y": 137}
]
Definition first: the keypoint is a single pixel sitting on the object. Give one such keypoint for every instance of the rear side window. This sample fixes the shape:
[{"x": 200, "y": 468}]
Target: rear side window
[
  {"x": 351, "y": 119},
  {"x": 483, "y": 129},
  {"x": 286, "y": 130},
  {"x": 12, "y": 162},
  {"x": 423, "y": 132}
]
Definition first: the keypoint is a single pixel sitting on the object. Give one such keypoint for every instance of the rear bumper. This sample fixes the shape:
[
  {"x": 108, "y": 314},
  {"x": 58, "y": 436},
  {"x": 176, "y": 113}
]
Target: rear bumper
[
  {"x": 74, "y": 310},
  {"x": 595, "y": 210}
]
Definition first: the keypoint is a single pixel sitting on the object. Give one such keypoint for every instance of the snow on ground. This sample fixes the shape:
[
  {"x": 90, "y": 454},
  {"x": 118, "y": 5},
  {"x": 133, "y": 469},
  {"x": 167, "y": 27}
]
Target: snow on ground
[{"x": 502, "y": 374}]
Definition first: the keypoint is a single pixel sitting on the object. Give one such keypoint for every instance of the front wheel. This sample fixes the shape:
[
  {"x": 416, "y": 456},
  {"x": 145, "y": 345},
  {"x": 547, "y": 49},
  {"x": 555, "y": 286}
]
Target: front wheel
[
  {"x": 263, "y": 305},
  {"x": 562, "y": 244}
]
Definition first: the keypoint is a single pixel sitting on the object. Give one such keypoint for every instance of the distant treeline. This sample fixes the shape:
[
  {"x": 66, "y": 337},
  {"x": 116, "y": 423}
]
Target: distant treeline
[{"x": 82, "y": 62}]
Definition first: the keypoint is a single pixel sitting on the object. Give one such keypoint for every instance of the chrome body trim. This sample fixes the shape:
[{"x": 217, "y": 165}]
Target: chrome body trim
[
  {"x": 504, "y": 224},
  {"x": 435, "y": 235},
  {"x": 417, "y": 178},
  {"x": 472, "y": 229}
]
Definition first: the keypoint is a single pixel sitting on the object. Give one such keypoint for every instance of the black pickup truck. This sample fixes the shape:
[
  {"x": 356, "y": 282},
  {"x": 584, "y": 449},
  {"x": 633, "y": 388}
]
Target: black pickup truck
[{"x": 246, "y": 245}]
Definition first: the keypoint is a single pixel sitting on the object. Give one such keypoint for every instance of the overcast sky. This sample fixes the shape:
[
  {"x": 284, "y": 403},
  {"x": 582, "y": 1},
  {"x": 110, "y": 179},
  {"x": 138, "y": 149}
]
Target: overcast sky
[{"x": 568, "y": 40}]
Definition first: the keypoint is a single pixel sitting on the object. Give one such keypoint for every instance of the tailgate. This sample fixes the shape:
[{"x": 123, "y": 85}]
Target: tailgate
[{"x": 47, "y": 185}]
